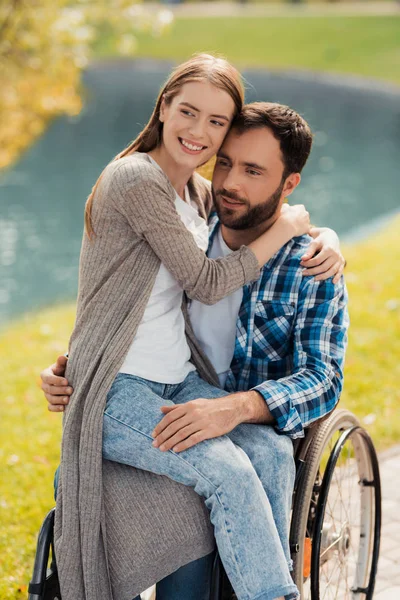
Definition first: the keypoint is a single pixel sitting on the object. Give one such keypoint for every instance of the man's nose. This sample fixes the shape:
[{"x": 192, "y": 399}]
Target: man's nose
[{"x": 232, "y": 182}]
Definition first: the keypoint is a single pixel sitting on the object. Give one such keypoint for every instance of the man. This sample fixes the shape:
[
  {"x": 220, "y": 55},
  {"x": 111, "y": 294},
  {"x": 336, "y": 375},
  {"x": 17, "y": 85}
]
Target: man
[{"x": 278, "y": 344}]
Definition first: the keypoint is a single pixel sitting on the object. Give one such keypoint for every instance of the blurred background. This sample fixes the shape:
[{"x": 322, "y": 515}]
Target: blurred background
[{"x": 78, "y": 80}]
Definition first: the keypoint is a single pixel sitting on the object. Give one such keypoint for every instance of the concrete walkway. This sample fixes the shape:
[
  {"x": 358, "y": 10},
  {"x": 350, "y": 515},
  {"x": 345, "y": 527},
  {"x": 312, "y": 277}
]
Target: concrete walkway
[
  {"x": 388, "y": 580},
  {"x": 284, "y": 9}
]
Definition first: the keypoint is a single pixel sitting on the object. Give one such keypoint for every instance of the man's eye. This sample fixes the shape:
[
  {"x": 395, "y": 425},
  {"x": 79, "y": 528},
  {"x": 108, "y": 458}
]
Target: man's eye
[
  {"x": 252, "y": 172},
  {"x": 222, "y": 163}
]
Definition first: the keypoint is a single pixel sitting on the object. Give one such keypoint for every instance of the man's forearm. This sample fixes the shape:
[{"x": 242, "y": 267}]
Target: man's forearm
[
  {"x": 252, "y": 407},
  {"x": 185, "y": 425}
]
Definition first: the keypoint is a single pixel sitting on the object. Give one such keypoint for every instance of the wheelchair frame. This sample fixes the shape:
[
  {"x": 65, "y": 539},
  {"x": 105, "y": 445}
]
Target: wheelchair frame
[{"x": 310, "y": 499}]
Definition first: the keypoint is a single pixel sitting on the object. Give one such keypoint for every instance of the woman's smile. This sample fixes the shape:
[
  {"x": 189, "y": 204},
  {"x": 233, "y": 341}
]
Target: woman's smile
[{"x": 191, "y": 147}]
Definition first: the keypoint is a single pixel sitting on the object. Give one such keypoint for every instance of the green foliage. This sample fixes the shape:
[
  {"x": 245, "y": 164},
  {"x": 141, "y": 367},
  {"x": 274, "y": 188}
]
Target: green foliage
[{"x": 43, "y": 48}]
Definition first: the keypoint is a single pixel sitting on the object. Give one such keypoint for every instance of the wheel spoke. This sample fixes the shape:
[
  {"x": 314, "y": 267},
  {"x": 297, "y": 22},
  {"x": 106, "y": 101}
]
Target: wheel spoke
[
  {"x": 330, "y": 579},
  {"x": 331, "y": 546},
  {"x": 347, "y": 528},
  {"x": 343, "y": 505}
]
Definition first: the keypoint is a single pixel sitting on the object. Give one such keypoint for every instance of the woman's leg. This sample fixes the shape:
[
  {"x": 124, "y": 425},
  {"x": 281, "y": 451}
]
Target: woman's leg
[
  {"x": 244, "y": 527},
  {"x": 195, "y": 387},
  {"x": 270, "y": 453}
]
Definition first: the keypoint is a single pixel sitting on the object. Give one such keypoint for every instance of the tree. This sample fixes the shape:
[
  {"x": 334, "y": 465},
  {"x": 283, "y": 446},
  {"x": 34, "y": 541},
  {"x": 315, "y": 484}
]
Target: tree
[{"x": 44, "y": 45}]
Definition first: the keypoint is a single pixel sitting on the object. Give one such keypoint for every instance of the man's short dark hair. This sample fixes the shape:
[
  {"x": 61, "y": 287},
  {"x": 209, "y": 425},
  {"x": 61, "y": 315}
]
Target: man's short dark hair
[{"x": 289, "y": 128}]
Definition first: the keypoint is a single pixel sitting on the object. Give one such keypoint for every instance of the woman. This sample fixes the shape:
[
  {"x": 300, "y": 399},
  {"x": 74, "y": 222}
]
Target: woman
[{"x": 145, "y": 245}]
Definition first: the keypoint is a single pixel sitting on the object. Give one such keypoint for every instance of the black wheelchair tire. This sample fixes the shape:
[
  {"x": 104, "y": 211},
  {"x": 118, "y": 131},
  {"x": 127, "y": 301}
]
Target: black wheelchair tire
[{"x": 310, "y": 496}]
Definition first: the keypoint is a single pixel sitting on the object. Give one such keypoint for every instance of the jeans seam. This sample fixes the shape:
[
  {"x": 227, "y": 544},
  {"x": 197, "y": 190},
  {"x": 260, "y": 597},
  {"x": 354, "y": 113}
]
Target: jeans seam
[
  {"x": 277, "y": 592},
  {"x": 201, "y": 475},
  {"x": 230, "y": 543}
]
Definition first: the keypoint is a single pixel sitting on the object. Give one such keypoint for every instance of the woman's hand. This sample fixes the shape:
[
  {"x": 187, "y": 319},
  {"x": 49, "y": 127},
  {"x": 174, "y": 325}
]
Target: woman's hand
[
  {"x": 296, "y": 217},
  {"x": 323, "y": 257}
]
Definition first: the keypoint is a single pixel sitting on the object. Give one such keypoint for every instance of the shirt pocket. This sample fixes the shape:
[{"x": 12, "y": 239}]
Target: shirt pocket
[{"x": 273, "y": 323}]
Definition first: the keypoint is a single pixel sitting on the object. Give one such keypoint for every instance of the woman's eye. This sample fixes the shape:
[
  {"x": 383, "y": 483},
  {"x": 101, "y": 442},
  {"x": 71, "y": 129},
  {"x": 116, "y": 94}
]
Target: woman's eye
[
  {"x": 187, "y": 113},
  {"x": 217, "y": 123}
]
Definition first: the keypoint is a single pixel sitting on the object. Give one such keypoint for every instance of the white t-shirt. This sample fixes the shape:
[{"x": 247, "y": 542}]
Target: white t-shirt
[
  {"x": 215, "y": 326},
  {"x": 160, "y": 351}
]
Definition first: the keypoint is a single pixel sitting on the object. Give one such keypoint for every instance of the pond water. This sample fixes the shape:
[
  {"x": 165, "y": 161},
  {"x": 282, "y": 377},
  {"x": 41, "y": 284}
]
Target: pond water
[{"x": 349, "y": 182}]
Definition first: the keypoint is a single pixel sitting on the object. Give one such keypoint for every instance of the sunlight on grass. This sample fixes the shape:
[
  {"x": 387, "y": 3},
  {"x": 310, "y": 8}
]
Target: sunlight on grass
[
  {"x": 372, "y": 372},
  {"x": 29, "y": 440},
  {"x": 363, "y": 45}
]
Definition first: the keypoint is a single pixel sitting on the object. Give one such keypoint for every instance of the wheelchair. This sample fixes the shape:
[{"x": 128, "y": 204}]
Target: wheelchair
[{"x": 335, "y": 522}]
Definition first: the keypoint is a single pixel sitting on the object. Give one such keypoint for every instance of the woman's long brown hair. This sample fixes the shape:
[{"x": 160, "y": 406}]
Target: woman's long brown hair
[{"x": 201, "y": 67}]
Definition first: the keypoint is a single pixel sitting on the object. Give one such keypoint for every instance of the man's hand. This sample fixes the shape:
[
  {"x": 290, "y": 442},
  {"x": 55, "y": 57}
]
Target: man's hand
[
  {"x": 185, "y": 425},
  {"x": 323, "y": 257},
  {"x": 55, "y": 386}
]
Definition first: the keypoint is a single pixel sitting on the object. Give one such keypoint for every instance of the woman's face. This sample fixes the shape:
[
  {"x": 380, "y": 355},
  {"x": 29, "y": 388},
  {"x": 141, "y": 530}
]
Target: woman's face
[{"x": 195, "y": 123}]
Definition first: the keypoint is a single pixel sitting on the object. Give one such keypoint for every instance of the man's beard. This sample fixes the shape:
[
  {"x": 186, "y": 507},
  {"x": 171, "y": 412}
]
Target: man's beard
[{"x": 253, "y": 216}]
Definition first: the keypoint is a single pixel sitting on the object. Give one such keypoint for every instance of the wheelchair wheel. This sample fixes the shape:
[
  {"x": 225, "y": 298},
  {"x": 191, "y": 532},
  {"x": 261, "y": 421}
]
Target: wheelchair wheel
[
  {"x": 44, "y": 584},
  {"x": 337, "y": 513}
]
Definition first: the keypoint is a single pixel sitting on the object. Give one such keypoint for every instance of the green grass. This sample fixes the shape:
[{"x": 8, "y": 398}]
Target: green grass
[
  {"x": 30, "y": 435},
  {"x": 367, "y": 46},
  {"x": 29, "y": 440},
  {"x": 372, "y": 371}
]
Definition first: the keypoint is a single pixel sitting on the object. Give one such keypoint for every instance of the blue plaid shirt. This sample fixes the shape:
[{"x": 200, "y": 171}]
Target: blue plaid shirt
[{"x": 291, "y": 336}]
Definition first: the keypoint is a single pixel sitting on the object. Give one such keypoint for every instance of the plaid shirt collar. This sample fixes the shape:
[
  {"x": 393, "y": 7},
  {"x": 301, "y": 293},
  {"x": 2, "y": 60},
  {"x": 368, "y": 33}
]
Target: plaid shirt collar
[{"x": 275, "y": 261}]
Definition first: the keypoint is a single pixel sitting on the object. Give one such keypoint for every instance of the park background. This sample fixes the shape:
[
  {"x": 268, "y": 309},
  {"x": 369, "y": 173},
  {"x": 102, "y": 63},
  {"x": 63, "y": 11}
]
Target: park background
[{"x": 53, "y": 54}]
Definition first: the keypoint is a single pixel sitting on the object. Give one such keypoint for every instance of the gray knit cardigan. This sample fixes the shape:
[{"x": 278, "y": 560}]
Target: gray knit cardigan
[{"x": 118, "y": 529}]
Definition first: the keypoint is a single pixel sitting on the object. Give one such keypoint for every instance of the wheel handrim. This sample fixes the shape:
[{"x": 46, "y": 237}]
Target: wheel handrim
[{"x": 345, "y": 552}]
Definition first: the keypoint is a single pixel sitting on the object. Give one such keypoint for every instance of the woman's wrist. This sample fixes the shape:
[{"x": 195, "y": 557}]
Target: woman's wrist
[{"x": 285, "y": 228}]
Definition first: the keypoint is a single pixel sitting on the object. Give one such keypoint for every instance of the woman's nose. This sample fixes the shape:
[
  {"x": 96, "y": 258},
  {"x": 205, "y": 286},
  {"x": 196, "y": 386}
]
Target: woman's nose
[{"x": 197, "y": 130}]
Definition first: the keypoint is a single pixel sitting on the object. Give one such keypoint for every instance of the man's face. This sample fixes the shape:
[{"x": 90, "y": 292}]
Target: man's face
[{"x": 248, "y": 183}]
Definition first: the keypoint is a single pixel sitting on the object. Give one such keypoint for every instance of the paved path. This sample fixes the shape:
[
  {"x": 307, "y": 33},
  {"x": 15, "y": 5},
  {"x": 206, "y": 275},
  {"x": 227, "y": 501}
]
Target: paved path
[
  {"x": 237, "y": 9},
  {"x": 388, "y": 580}
]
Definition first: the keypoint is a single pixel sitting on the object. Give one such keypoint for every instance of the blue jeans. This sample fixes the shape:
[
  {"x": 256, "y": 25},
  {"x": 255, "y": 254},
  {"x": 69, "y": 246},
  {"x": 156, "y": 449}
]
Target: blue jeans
[{"x": 246, "y": 478}]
